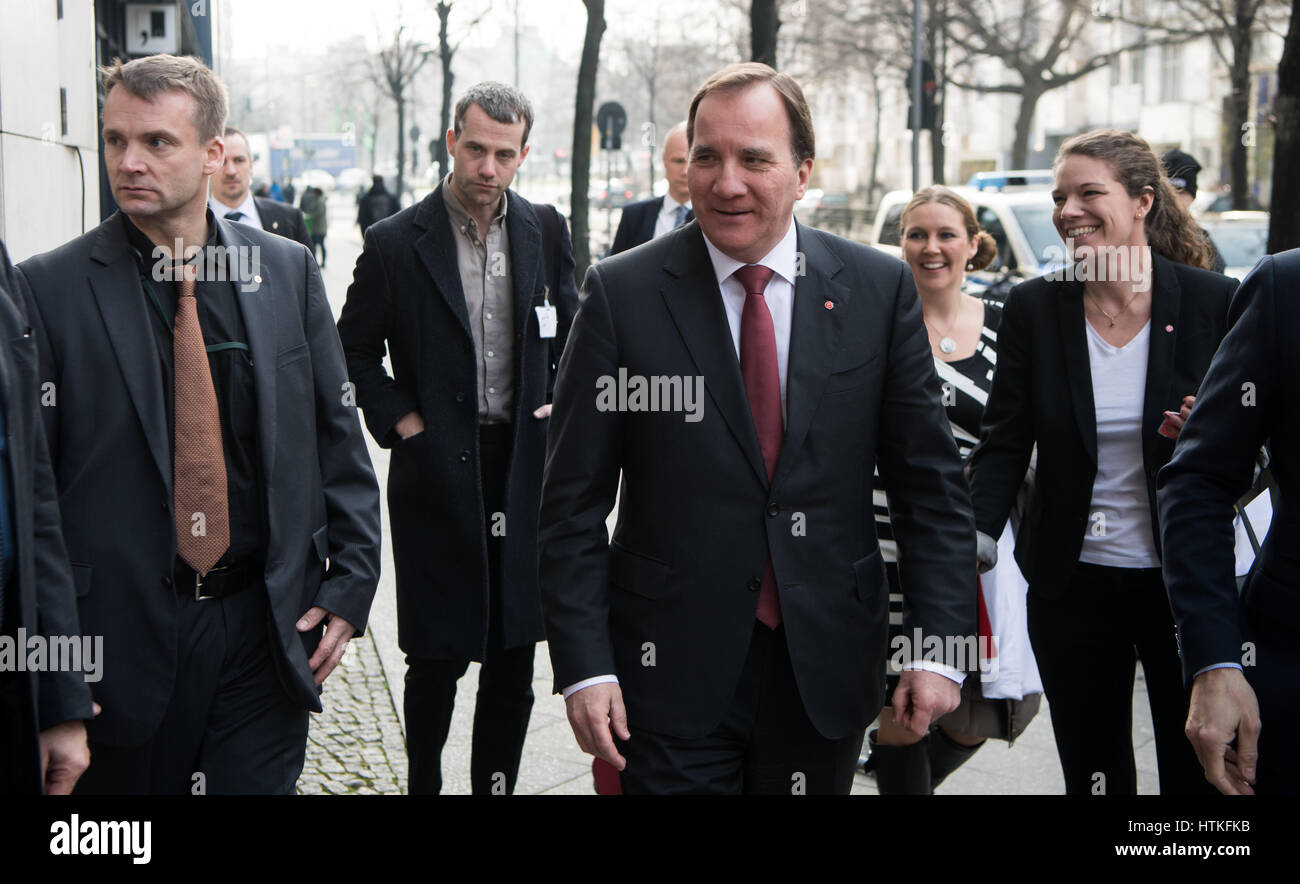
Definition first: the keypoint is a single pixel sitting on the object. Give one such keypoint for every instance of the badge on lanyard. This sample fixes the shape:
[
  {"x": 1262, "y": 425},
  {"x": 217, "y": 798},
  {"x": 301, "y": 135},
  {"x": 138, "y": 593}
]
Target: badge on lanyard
[{"x": 546, "y": 319}]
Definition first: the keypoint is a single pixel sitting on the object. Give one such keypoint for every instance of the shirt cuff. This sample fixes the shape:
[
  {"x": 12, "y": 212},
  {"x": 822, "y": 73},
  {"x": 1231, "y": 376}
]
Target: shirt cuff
[
  {"x": 1236, "y": 666},
  {"x": 941, "y": 668},
  {"x": 588, "y": 682}
]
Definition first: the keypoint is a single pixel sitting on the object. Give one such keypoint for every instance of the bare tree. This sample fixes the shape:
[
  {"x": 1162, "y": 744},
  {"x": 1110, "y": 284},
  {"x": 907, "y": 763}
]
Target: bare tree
[
  {"x": 582, "y": 121},
  {"x": 1019, "y": 38},
  {"x": 446, "y": 52},
  {"x": 1284, "y": 207},
  {"x": 393, "y": 69},
  {"x": 1232, "y": 26}
]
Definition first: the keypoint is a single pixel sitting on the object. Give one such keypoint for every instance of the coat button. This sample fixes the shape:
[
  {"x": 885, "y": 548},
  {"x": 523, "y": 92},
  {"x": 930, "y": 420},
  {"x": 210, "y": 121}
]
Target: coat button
[
  {"x": 460, "y": 397},
  {"x": 773, "y": 510},
  {"x": 167, "y": 582},
  {"x": 754, "y": 585},
  {"x": 464, "y": 457}
]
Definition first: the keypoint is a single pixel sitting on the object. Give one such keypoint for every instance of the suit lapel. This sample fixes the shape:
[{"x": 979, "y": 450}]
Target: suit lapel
[
  {"x": 1074, "y": 349},
  {"x": 696, "y": 307},
  {"x": 117, "y": 294},
  {"x": 437, "y": 251},
  {"x": 525, "y": 244},
  {"x": 257, "y": 307},
  {"x": 1166, "y": 302},
  {"x": 649, "y": 218},
  {"x": 814, "y": 338}
]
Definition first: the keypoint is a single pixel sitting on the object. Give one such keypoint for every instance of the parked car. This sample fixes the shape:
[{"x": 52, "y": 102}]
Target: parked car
[
  {"x": 1240, "y": 237},
  {"x": 1002, "y": 180},
  {"x": 1020, "y": 222}
]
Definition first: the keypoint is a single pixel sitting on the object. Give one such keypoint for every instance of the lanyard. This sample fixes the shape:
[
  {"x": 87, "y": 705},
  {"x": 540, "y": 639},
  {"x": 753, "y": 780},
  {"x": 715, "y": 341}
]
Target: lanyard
[{"x": 148, "y": 289}]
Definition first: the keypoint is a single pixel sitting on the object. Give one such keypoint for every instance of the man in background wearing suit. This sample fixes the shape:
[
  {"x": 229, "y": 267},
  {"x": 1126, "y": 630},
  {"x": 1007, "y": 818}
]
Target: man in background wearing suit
[
  {"x": 744, "y": 373},
  {"x": 471, "y": 292},
  {"x": 643, "y": 221},
  {"x": 42, "y": 714},
  {"x": 232, "y": 197},
  {"x": 218, "y": 502},
  {"x": 1241, "y": 654}
]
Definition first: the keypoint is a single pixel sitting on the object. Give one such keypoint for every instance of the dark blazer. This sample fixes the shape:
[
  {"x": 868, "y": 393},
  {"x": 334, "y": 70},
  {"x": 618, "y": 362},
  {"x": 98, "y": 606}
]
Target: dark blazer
[
  {"x": 284, "y": 219},
  {"x": 1042, "y": 394},
  {"x": 637, "y": 224},
  {"x": 1244, "y": 400},
  {"x": 42, "y": 579},
  {"x": 697, "y": 514},
  {"x": 109, "y": 448},
  {"x": 406, "y": 297}
]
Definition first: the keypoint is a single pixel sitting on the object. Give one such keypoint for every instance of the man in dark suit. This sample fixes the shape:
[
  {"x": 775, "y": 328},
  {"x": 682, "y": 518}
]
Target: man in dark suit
[
  {"x": 1241, "y": 655},
  {"x": 376, "y": 204},
  {"x": 233, "y": 200},
  {"x": 744, "y": 374},
  {"x": 42, "y": 734},
  {"x": 472, "y": 293},
  {"x": 218, "y": 502},
  {"x": 645, "y": 220}
]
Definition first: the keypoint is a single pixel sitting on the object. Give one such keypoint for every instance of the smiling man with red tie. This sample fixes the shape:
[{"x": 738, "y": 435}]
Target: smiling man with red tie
[{"x": 731, "y": 638}]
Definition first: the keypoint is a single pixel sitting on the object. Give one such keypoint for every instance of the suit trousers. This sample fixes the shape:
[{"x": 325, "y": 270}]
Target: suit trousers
[
  {"x": 1087, "y": 643},
  {"x": 505, "y": 681},
  {"x": 764, "y": 745},
  {"x": 230, "y": 728}
]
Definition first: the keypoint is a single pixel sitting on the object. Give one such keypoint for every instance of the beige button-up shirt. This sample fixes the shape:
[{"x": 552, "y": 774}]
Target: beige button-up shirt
[{"x": 483, "y": 259}]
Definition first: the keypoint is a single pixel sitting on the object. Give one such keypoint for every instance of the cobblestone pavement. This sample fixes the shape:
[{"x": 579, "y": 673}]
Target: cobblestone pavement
[{"x": 355, "y": 746}]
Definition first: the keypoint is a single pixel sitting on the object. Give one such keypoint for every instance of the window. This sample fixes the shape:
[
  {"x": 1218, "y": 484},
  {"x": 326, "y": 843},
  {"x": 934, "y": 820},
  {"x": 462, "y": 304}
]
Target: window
[{"x": 1171, "y": 73}]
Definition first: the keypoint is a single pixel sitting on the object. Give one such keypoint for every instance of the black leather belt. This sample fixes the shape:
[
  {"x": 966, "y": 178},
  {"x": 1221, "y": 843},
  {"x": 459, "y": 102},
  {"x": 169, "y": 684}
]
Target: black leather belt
[{"x": 219, "y": 582}]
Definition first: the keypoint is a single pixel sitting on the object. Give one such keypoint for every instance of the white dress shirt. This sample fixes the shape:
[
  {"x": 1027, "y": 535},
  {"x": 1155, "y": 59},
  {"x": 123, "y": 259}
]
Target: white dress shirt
[
  {"x": 248, "y": 207},
  {"x": 667, "y": 218}
]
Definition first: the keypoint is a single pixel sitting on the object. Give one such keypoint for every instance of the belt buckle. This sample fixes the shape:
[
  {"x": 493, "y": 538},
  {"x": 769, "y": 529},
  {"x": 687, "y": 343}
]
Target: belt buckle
[{"x": 198, "y": 584}]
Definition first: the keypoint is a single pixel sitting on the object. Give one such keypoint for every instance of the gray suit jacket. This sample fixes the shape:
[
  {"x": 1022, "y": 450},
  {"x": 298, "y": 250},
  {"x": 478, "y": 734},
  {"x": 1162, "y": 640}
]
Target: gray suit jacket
[{"x": 112, "y": 461}]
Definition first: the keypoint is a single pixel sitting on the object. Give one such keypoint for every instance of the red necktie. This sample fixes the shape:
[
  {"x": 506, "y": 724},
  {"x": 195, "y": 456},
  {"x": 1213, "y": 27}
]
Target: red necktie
[{"x": 758, "y": 369}]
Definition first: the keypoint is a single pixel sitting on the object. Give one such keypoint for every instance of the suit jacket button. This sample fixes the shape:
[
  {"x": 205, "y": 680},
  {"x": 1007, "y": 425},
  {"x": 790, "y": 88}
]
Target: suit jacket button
[
  {"x": 460, "y": 397},
  {"x": 773, "y": 510},
  {"x": 464, "y": 457},
  {"x": 167, "y": 581},
  {"x": 754, "y": 585}
]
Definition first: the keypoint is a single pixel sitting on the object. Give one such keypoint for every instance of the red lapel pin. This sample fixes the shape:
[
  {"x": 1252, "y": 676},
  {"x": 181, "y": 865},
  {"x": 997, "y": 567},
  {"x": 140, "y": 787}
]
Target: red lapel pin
[
  {"x": 1169, "y": 328},
  {"x": 829, "y": 305}
]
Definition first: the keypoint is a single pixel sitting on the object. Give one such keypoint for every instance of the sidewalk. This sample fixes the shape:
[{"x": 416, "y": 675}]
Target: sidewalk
[{"x": 356, "y": 745}]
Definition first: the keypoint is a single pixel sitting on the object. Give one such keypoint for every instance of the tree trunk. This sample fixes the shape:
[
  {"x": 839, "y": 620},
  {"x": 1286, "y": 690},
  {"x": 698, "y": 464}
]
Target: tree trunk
[
  {"x": 764, "y": 21},
  {"x": 582, "y": 113},
  {"x": 1284, "y": 207},
  {"x": 938, "y": 51},
  {"x": 874, "y": 184},
  {"x": 1024, "y": 122},
  {"x": 445, "y": 53},
  {"x": 401, "y": 146},
  {"x": 1239, "y": 105}
]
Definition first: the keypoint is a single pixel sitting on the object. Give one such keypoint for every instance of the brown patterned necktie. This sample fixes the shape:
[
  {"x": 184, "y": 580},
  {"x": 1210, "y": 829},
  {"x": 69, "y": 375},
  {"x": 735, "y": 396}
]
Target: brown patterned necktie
[{"x": 199, "y": 463}]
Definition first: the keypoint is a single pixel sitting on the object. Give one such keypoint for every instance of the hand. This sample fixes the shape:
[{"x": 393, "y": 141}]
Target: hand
[
  {"x": 922, "y": 698},
  {"x": 64, "y": 757},
  {"x": 332, "y": 645},
  {"x": 544, "y": 411},
  {"x": 409, "y": 424},
  {"x": 1176, "y": 419},
  {"x": 593, "y": 712},
  {"x": 1223, "y": 706},
  {"x": 986, "y": 551}
]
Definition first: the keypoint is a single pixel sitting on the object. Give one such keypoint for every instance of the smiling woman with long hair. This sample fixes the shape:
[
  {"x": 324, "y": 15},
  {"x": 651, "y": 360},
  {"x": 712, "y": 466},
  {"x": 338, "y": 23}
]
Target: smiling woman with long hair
[{"x": 1098, "y": 365}]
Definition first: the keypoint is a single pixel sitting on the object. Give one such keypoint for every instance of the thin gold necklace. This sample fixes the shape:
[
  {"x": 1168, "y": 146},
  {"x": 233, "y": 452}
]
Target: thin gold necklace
[{"x": 1118, "y": 313}]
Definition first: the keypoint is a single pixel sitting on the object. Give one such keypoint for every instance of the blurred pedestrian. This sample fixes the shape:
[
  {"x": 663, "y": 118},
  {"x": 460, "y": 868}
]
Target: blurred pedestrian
[
  {"x": 1241, "y": 654},
  {"x": 315, "y": 209},
  {"x": 941, "y": 242},
  {"x": 1098, "y": 365},
  {"x": 1182, "y": 169},
  {"x": 642, "y": 221},
  {"x": 376, "y": 205},
  {"x": 289, "y": 191}
]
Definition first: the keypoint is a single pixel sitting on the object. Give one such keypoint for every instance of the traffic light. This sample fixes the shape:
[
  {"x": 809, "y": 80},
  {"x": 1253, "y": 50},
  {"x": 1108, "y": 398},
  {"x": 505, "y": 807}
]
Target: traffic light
[{"x": 929, "y": 89}]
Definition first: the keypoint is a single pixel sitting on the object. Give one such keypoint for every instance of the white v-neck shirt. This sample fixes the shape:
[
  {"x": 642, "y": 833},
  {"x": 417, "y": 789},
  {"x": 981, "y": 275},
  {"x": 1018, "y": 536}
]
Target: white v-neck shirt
[{"x": 1118, "y": 532}]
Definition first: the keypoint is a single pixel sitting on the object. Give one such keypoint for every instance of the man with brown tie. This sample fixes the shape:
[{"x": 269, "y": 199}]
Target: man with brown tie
[{"x": 208, "y": 458}]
